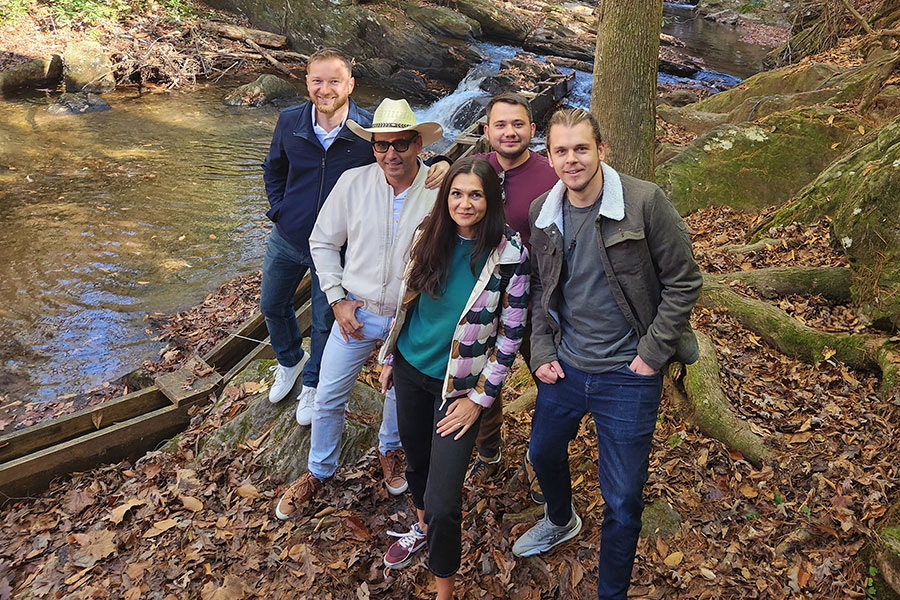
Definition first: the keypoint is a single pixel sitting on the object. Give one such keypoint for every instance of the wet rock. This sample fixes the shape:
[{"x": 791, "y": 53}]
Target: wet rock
[
  {"x": 552, "y": 37},
  {"x": 495, "y": 22},
  {"x": 265, "y": 90},
  {"x": 496, "y": 84},
  {"x": 285, "y": 448},
  {"x": 673, "y": 62},
  {"x": 659, "y": 520},
  {"x": 571, "y": 63},
  {"x": 468, "y": 112},
  {"x": 77, "y": 103},
  {"x": 412, "y": 84},
  {"x": 443, "y": 21},
  {"x": 87, "y": 68},
  {"x": 750, "y": 166},
  {"x": 41, "y": 72},
  {"x": 678, "y": 97},
  {"x": 374, "y": 68}
]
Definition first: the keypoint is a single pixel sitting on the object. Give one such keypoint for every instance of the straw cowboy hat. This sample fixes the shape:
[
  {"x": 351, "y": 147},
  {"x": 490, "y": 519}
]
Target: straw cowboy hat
[{"x": 396, "y": 115}]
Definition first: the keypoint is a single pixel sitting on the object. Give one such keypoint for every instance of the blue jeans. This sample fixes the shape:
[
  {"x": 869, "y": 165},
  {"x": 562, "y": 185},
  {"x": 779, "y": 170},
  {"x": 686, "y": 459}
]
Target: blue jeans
[
  {"x": 341, "y": 363},
  {"x": 623, "y": 405},
  {"x": 283, "y": 268}
]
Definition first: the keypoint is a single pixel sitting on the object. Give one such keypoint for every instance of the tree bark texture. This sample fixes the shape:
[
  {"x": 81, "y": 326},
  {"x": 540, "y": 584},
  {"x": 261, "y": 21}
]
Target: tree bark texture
[
  {"x": 624, "y": 92},
  {"x": 832, "y": 283}
]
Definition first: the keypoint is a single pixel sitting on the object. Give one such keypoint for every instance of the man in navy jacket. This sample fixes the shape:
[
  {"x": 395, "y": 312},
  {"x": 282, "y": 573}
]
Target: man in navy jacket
[{"x": 310, "y": 149}]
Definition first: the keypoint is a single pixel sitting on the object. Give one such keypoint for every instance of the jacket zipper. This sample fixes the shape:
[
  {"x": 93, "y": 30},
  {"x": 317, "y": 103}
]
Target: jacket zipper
[{"x": 321, "y": 183}]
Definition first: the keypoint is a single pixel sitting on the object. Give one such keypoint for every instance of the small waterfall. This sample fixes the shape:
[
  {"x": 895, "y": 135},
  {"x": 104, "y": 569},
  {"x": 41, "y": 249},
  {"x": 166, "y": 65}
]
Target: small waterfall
[{"x": 443, "y": 110}]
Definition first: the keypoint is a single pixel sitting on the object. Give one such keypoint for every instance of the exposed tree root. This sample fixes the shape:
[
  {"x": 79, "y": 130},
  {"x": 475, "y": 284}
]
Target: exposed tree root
[
  {"x": 703, "y": 404},
  {"x": 832, "y": 283},
  {"x": 790, "y": 336}
]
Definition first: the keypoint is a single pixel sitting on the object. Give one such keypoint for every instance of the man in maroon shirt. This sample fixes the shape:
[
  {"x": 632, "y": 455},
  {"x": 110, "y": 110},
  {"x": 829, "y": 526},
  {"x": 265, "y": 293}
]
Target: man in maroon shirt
[{"x": 525, "y": 176}]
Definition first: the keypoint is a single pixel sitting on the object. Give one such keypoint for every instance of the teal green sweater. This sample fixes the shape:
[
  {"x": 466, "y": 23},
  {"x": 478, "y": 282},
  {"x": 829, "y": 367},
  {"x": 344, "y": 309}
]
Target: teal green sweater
[{"x": 427, "y": 335}]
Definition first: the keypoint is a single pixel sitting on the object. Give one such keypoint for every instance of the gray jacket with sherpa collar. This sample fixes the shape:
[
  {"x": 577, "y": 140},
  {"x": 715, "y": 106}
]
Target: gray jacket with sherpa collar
[{"x": 646, "y": 252}]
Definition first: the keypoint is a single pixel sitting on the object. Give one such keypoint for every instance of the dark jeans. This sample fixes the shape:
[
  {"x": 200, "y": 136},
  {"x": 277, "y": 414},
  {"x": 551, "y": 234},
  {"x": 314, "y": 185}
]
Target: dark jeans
[
  {"x": 283, "y": 268},
  {"x": 624, "y": 406},
  {"x": 435, "y": 465},
  {"x": 488, "y": 441}
]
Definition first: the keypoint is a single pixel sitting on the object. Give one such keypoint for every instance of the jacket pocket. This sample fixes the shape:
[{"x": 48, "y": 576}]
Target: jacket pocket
[{"x": 623, "y": 235}]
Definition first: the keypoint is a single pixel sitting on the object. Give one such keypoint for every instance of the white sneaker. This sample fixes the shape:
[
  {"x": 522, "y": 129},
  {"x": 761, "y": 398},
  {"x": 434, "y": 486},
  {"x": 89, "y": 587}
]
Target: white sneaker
[
  {"x": 284, "y": 381},
  {"x": 306, "y": 401}
]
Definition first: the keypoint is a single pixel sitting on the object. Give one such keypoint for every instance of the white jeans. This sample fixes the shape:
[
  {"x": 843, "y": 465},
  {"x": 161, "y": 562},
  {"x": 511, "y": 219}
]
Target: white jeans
[{"x": 341, "y": 363}]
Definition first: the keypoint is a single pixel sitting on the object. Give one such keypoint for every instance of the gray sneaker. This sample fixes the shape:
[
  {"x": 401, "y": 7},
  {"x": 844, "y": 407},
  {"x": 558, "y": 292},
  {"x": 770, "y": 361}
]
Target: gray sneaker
[{"x": 545, "y": 535}]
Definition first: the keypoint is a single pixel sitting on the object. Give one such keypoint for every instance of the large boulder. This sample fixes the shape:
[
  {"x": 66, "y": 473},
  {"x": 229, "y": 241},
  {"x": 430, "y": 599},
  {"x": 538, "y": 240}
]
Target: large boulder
[
  {"x": 39, "y": 72},
  {"x": 788, "y": 88},
  {"x": 552, "y": 37},
  {"x": 365, "y": 32},
  {"x": 440, "y": 20},
  {"x": 495, "y": 21},
  {"x": 861, "y": 194},
  {"x": 273, "y": 431},
  {"x": 88, "y": 68},
  {"x": 265, "y": 90},
  {"x": 750, "y": 166}
]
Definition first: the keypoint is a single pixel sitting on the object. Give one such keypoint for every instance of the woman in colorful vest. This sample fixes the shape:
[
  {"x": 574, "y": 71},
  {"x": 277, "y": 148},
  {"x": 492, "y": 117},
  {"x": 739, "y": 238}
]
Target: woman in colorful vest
[{"x": 459, "y": 323}]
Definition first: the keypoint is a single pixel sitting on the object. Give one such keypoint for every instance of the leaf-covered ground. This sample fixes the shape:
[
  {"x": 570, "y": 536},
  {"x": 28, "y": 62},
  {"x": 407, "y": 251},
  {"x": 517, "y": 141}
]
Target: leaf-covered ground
[{"x": 175, "y": 525}]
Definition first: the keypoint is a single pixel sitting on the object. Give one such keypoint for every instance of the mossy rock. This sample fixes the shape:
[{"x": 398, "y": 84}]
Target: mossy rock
[
  {"x": 751, "y": 166},
  {"x": 88, "y": 68},
  {"x": 495, "y": 22},
  {"x": 659, "y": 520},
  {"x": 861, "y": 194},
  {"x": 441, "y": 20},
  {"x": 265, "y": 90},
  {"x": 39, "y": 72},
  {"x": 285, "y": 447}
]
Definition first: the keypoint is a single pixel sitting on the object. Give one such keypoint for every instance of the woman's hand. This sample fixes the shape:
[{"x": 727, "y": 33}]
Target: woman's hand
[
  {"x": 460, "y": 416},
  {"x": 386, "y": 379}
]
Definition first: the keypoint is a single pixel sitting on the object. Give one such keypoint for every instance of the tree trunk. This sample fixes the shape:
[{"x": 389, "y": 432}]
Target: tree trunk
[{"x": 624, "y": 92}]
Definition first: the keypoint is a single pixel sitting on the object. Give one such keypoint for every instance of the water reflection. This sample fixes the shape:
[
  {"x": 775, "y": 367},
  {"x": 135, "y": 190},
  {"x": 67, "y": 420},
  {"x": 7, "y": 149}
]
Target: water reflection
[{"x": 109, "y": 216}]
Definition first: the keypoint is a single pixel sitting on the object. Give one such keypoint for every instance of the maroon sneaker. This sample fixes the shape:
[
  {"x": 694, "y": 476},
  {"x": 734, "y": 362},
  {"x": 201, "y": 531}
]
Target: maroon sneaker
[{"x": 400, "y": 553}]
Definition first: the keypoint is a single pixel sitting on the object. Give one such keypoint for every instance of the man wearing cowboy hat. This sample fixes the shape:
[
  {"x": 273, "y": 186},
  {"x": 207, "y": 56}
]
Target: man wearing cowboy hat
[{"x": 372, "y": 210}]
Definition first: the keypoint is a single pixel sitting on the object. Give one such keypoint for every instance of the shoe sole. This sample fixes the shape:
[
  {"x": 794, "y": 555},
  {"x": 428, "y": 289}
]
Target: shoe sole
[
  {"x": 396, "y": 491},
  {"x": 281, "y": 516},
  {"x": 565, "y": 538},
  {"x": 301, "y": 423}
]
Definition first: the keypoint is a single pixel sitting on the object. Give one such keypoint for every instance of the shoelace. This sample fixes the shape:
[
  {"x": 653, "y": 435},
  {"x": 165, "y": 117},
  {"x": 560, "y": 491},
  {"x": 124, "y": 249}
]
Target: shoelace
[
  {"x": 280, "y": 374},
  {"x": 408, "y": 539}
]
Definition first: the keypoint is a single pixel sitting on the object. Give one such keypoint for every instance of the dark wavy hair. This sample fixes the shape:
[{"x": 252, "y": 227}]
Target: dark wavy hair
[{"x": 433, "y": 251}]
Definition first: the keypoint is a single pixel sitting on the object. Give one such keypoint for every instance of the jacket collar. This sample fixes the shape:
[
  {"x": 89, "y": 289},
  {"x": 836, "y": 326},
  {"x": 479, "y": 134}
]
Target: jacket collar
[
  {"x": 612, "y": 202},
  {"x": 304, "y": 126}
]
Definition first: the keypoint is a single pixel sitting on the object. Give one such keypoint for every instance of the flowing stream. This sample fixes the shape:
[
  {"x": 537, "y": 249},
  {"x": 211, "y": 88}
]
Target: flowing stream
[{"x": 146, "y": 208}]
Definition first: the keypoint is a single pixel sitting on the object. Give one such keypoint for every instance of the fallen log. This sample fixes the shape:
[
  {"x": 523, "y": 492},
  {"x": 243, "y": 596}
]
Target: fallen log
[
  {"x": 236, "y": 32},
  {"x": 270, "y": 58}
]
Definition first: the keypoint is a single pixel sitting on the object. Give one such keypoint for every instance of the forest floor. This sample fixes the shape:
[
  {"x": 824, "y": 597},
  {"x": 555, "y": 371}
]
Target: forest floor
[{"x": 175, "y": 525}]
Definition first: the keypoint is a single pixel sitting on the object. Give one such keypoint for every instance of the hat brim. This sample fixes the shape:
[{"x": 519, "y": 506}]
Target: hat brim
[{"x": 429, "y": 130}]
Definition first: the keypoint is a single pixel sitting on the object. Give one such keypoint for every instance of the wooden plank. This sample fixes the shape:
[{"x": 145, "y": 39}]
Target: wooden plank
[
  {"x": 195, "y": 380},
  {"x": 19, "y": 443},
  {"x": 30, "y": 474}
]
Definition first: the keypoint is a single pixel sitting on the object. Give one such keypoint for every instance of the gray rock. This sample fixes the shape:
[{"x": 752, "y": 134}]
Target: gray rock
[
  {"x": 659, "y": 520},
  {"x": 265, "y": 90},
  {"x": 40, "y": 72},
  {"x": 77, "y": 103},
  {"x": 411, "y": 84},
  {"x": 88, "y": 68},
  {"x": 554, "y": 38},
  {"x": 494, "y": 21},
  {"x": 443, "y": 21}
]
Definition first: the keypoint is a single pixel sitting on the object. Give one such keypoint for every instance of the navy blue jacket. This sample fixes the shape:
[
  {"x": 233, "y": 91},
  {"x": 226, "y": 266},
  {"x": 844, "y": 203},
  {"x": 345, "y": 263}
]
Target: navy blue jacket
[{"x": 299, "y": 173}]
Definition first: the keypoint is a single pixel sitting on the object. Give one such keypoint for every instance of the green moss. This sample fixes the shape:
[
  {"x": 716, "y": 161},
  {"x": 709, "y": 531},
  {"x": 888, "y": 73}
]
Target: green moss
[{"x": 752, "y": 166}]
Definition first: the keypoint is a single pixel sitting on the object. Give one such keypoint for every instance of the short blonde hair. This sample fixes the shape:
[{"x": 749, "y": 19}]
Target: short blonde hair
[
  {"x": 328, "y": 54},
  {"x": 570, "y": 117}
]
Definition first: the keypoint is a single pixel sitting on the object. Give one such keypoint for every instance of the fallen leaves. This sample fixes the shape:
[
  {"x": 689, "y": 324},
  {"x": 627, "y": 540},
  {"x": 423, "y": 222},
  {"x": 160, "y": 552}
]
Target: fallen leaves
[
  {"x": 118, "y": 513},
  {"x": 160, "y": 527}
]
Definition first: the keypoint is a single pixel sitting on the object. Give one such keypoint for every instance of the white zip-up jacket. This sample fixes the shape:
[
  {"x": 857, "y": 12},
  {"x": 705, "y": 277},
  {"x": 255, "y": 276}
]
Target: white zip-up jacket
[{"x": 359, "y": 211}]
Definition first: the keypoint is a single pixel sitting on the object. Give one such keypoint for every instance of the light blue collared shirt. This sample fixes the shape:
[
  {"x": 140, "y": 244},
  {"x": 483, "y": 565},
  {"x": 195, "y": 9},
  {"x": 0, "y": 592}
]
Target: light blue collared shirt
[{"x": 325, "y": 137}]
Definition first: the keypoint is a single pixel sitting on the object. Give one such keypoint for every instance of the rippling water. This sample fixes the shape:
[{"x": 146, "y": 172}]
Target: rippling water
[{"x": 106, "y": 217}]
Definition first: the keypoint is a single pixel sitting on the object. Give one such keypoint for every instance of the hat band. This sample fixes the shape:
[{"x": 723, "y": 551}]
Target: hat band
[{"x": 393, "y": 125}]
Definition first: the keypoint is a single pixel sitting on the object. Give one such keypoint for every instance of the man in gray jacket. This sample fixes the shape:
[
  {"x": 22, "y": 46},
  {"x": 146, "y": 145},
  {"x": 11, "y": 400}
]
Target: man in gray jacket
[{"x": 613, "y": 284}]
